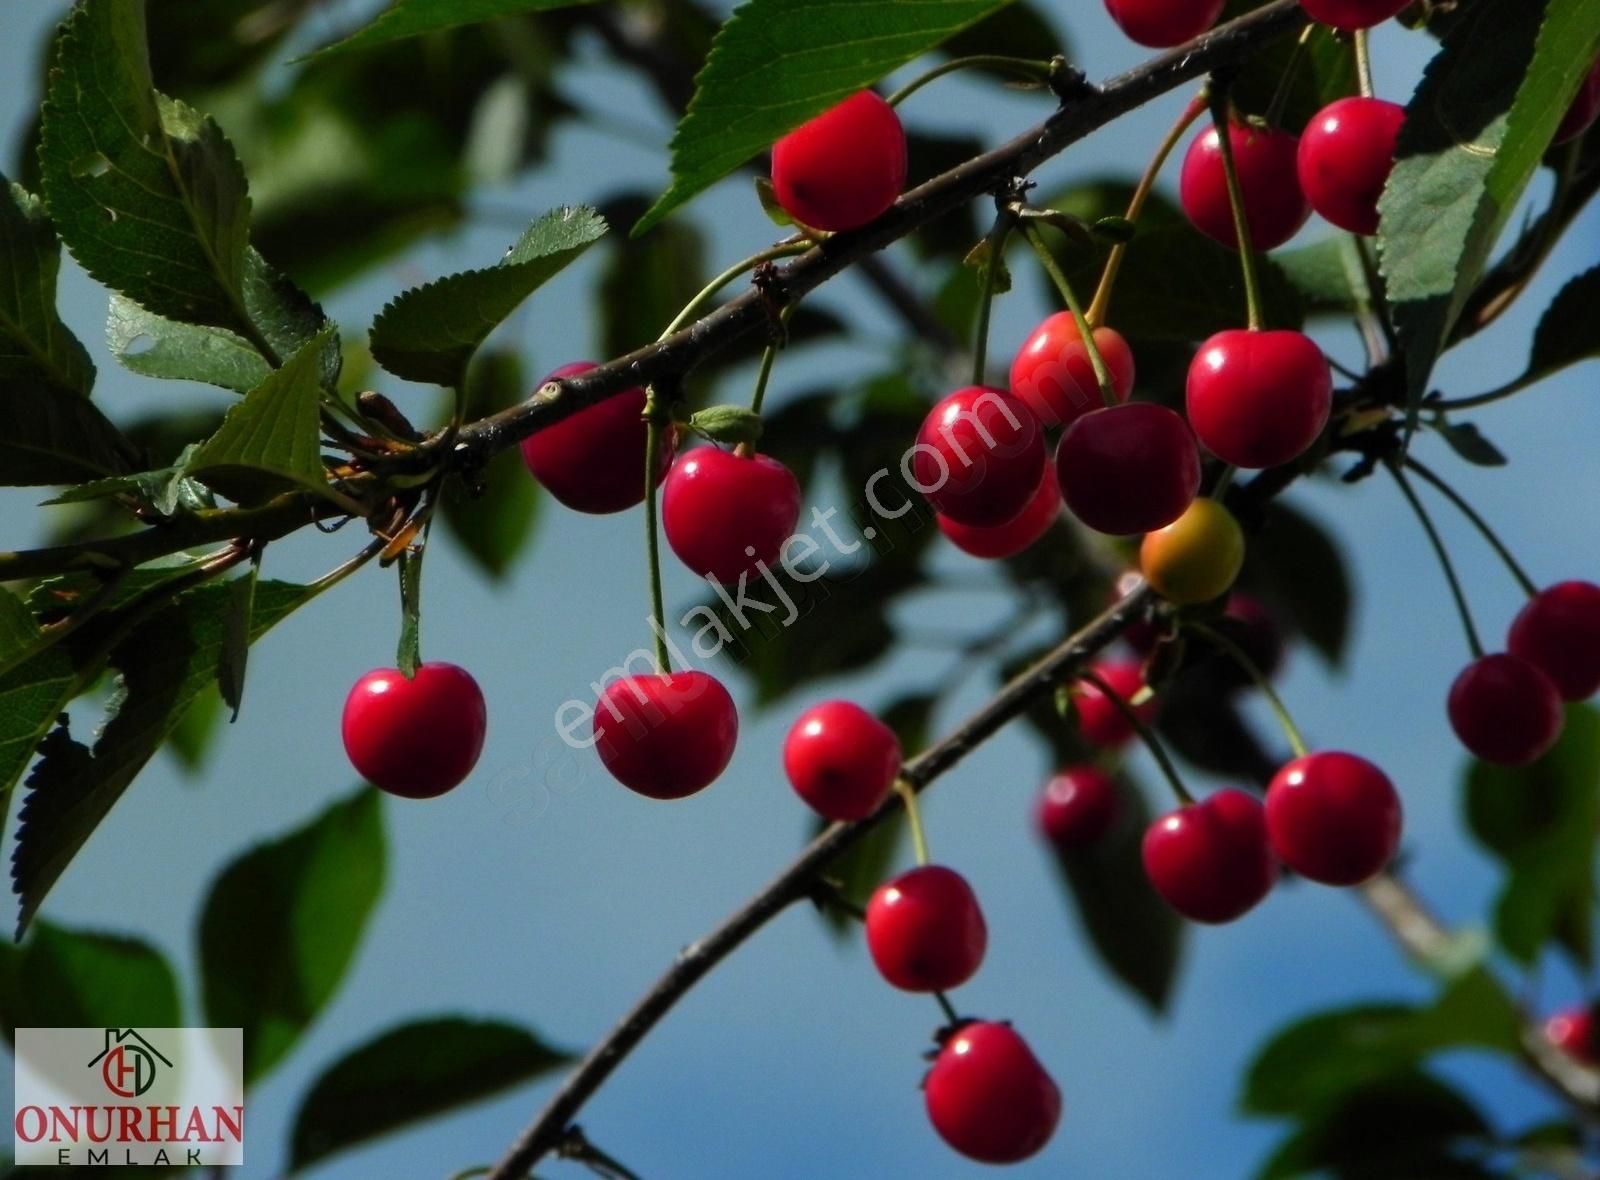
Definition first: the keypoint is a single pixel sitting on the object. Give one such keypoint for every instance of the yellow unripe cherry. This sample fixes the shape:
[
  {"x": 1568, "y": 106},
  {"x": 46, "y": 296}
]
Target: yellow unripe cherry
[{"x": 1196, "y": 557}]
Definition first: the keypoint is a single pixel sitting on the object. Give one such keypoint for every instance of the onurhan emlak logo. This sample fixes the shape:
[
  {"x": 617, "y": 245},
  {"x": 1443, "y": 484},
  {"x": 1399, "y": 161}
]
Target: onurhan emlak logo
[{"x": 128, "y": 1062}]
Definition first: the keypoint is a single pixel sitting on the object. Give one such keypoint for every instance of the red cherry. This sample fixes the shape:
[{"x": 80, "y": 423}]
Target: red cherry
[
  {"x": 1352, "y": 14},
  {"x": 1053, "y": 374},
  {"x": 988, "y": 1096},
  {"x": 1211, "y": 860},
  {"x": 1077, "y": 808},
  {"x": 1333, "y": 817},
  {"x": 843, "y": 168},
  {"x": 1346, "y": 155},
  {"x": 925, "y": 930},
  {"x": 1128, "y": 469},
  {"x": 1099, "y": 720},
  {"x": 1572, "y": 1031},
  {"x": 1558, "y": 632},
  {"x": 1265, "y": 160},
  {"x": 978, "y": 456},
  {"x": 1584, "y": 109},
  {"x": 1016, "y": 534},
  {"x": 717, "y": 506},
  {"x": 841, "y": 760},
  {"x": 414, "y": 738},
  {"x": 1161, "y": 24},
  {"x": 666, "y": 736},
  {"x": 1259, "y": 399},
  {"x": 594, "y": 460},
  {"x": 1505, "y": 710}
]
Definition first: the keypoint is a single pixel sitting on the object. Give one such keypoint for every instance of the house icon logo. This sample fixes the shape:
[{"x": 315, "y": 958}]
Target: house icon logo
[{"x": 128, "y": 1062}]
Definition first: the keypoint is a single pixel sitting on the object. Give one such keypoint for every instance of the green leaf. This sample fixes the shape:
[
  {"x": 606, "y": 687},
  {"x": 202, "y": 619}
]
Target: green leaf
[
  {"x": 146, "y": 192},
  {"x": 645, "y": 282},
  {"x": 422, "y": 1069},
  {"x": 408, "y": 655},
  {"x": 151, "y": 346},
  {"x": 1404, "y": 1125},
  {"x": 494, "y": 519},
  {"x": 1138, "y": 937},
  {"x": 1302, "y": 567},
  {"x": 1317, "y": 1059},
  {"x": 776, "y": 63},
  {"x": 1323, "y": 70},
  {"x": 273, "y": 438},
  {"x": 1474, "y": 134},
  {"x": 281, "y": 925},
  {"x": 430, "y": 333},
  {"x": 166, "y": 491},
  {"x": 165, "y": 663},
  {"x": 413, "y": 18},
  {"x": 51, "y": 437},
  {"x": 236, "y": 637},
  {"x": 1468, "y": 441},
  {"x": 1566, "y": 333},
  {"x": 1541, "y": 821},
  {"x": 191, "y": 739},
  {"x": 727, "y": 424},
  {"x": 1327, "y": 275},
  {"x": 65, "y": 978},
  {"x": 33, "y": 691},
  {"x": 33, "y": 340}
]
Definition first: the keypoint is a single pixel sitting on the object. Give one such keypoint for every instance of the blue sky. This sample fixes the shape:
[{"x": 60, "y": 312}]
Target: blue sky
[{"x": 557, "y": 909}]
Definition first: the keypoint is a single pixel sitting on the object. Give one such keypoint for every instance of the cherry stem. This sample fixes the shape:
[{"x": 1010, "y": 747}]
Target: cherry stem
[
  {"x": 950, "y": 1013},
  {"x": 340, "y": 572},
  {"x": 769, "y": 357},
  {"x": 1241, "y": 225},
  {"x": 1146, "y": 734},
  {"x": 1108, "y": 277},
  {"x": 1224, "y": 482},
  {"x": 1280, "y": 96},
  {"x": 996, "y": 242},
  {"x": 1528, "y": 585},
  {"x": 1363, "y": 64},
  {"x": 1033, "y": 68},
  {"x": 1102, "y": 375},
  {"x": 652, "y": 539},
  {"x": 709, "y": 291},
  {"x": 1238, "y": 655},
  {"x": 1443, "y": 555},
  {"x": 919, "y": 838}
]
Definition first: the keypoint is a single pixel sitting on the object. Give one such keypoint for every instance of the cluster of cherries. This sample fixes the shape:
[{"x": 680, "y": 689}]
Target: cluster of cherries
[{"x": 1254, "y": 399}]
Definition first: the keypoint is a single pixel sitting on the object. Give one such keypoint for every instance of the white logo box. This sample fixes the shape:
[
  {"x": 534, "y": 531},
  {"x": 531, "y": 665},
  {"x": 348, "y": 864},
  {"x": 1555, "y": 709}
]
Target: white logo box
[{"x": 119, "y": 1096}]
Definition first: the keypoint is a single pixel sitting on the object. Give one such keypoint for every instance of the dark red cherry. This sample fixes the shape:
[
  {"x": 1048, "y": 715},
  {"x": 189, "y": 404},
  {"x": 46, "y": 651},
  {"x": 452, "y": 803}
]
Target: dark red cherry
[
  {"x": 724, "y": 512},
  {"x": 593, "y": 461},
  {"x": 841, "y": 760},
  {"x": 925, "y": 930},
  {"x": 1346, "y": 155},
  {"x": 1053, "y": 374},
  {"x": 1259, "y": 399},
  {"x": 1265, "y": 160},
  {"x": 1333, "y": 818},
  {"x": 1016, "y": 534},
  {"x": 1102, "y": 724},
  {"x": 1572, "y": 1031},
  {"x": 1352, "y": 14},
  {"x": 415, "y": 738},
  {"x": 665, "y": 736},
  {"x": 1505, "y": 710},
  {"x": 1558, "y": 632},
  {"x": 1128, "y": 469},
  {"x": 1584, "y": 109},
  {"x": 1078, "y": 807},
  {"x": 843, "y": 168},
  {"x": 988, "y": 1096},
  {"x": 1211, "y": 860},
  {"x": 979, "y": 456},
  {"x": 1161, "y": 24}
]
